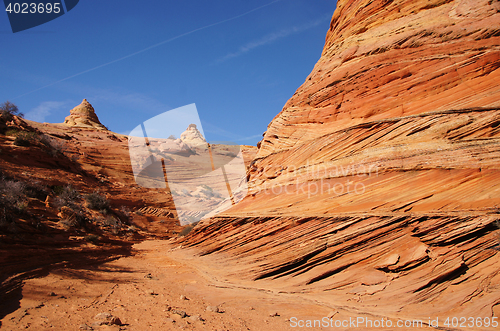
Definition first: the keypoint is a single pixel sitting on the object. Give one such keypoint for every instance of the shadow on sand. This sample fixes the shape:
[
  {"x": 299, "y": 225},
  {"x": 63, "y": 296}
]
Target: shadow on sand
[{"x": 31, "y": 261}]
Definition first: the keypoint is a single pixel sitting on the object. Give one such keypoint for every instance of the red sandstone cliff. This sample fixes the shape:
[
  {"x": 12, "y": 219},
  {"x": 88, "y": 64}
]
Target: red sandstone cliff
[{"x": 375, "y": 190}]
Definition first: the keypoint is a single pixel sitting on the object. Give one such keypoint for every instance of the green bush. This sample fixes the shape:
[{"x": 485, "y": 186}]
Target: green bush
[
  {"x": 24, "y": 138},
  {"x": 11, "y": 132}
]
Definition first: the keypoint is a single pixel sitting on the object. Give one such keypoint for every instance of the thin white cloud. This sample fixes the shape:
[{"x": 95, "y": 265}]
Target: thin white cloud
[
  {"x": 216, "y": 130},
  {"x": 231, "y": 136},
  {"x": 249, "y": 138},
  {"x": 272, "y": 37},
  {"x": 152, "y": 46},
  {"x": 40, "y": 113},
  {"x": 139, "y": 101}
]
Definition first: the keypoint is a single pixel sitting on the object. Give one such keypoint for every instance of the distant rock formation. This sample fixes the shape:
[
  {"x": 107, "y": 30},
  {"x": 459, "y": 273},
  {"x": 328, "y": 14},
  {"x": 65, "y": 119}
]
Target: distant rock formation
[
  {"x": 173, "y": 146},
  {"x": 193, "y": 137},
  {"x": 84, "y": 116}
]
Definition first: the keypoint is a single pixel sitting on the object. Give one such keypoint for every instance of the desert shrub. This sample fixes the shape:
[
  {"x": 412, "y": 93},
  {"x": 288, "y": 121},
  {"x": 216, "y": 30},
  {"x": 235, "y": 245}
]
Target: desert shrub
[
  {"x": 35, "y": 189},
  {"x": 11, "y": 132},
  {"x": 93, "y": 238},
  {"x": 70, "y": 193},
  {"x": 8, "y": 110},
  {"x": 22, "y": 206},
  {"x": 24, "y": 138},
  {"x": 111, "y": 221},
  {"x": 12, "y": 189},
  {"x": 54, "y": 147},
  {"x": 126, "y": 213},
  {"x": 57, "y": 189},
  {"x": 74, "y": 157},
  {"x": 97, "y": 201},
  {"x": 13, "y": 194},
  {"x": 73, "y": 217},
  {"x": 78, "y": 220},
  {"x": 57, "y": 147},
  {"x": 44, "y": 139},
  {"x": 187, "y": 229},
  {"x": 113, "y": 224},
  {"x": 68, "y": 197}
]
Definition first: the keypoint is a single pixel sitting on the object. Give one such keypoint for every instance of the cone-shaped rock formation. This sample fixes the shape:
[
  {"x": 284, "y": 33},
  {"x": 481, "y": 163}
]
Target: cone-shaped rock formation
[
  {"x": 193, "y": 137},
  {"x": 84, "y": 116}
]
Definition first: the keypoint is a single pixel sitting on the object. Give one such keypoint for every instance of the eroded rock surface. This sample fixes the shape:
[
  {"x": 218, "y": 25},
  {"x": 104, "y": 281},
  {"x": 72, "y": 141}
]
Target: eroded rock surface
[{"x": 376, "y": 188}]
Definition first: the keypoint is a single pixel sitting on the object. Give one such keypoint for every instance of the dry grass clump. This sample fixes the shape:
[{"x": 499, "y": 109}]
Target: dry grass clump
[{"x": 97, "y": 201}]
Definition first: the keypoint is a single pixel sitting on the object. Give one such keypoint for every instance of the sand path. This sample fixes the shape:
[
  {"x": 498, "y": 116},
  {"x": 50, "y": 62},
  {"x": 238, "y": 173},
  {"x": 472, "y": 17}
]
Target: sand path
[{"x": 146, "y": 292}]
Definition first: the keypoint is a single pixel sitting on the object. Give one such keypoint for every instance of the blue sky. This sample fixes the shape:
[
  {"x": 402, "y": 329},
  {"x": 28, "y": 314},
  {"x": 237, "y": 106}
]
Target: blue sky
[{"x": 238, "y": 61}]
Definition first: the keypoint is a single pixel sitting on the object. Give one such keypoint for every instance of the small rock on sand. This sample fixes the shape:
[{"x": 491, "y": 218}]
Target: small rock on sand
[
  {"x": 213, "y": 309},
  {"x": 195, "y": 318},
  {"x": 181, "y": 313},
  {"x": 107, "y": 318}
]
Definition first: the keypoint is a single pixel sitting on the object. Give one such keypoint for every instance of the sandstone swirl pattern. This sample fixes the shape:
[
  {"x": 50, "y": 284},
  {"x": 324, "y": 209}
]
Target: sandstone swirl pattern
[{"x": 377, "y": 187}]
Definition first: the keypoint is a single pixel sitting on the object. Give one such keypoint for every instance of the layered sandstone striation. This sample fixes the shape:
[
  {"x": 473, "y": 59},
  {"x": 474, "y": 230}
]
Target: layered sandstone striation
[
  {"x": 84, "y": 116},
  {"x": 376, "y": 189},
  {"x": 390, "y": 59}
]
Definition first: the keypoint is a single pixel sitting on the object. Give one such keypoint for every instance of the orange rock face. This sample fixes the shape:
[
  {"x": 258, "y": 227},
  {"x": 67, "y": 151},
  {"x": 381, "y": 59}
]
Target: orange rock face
[
  {"x": 376, "y": 188},
  {"x": 390, "y": 59}
]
